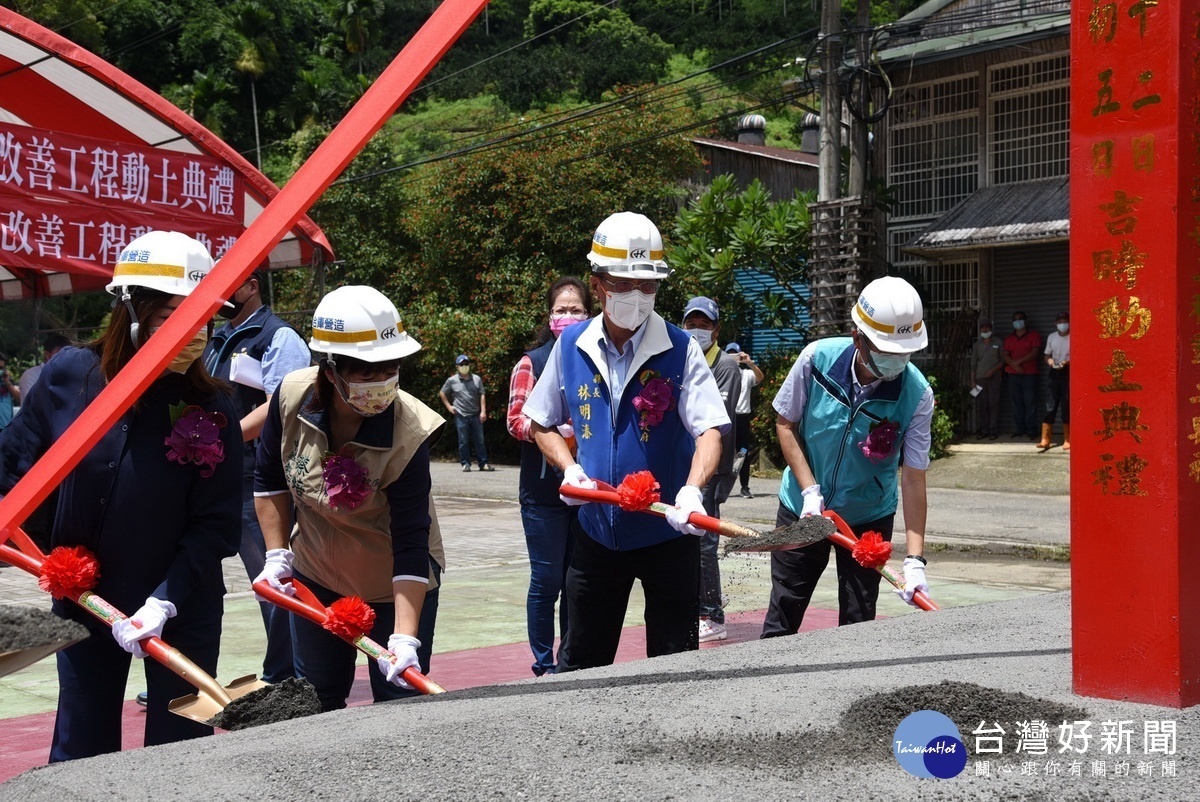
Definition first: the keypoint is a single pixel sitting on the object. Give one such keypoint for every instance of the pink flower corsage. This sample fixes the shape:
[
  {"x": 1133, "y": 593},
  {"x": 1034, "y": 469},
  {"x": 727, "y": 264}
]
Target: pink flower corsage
[
  {"x": 654, "y": 401},
  {"x": 881, "y": 440},
  {"x": 345, "y": 482},
  {"x": 196, "y": 438}
]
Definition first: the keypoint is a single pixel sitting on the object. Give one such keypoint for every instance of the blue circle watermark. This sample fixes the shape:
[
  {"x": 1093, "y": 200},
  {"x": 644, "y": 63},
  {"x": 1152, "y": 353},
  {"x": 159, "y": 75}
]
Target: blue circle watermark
[{"x": 927, "y": 744}]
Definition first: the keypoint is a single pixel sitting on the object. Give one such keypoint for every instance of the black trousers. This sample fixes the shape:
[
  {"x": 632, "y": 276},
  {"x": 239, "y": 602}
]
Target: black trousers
[
  {"x": 598, "y": 584},
  {"x": 794, "y": 576},
  {"x": 744, "y": 438},
  {"x": 1060, "y": 395}
]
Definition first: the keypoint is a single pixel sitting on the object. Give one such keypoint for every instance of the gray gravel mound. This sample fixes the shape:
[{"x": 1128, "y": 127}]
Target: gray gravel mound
[{"x": 788, "y": 718}]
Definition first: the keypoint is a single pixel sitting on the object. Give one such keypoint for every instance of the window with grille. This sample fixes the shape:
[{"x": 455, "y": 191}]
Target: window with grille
[
  {"x": 947, "y": 287},
  {"x": 1028, "y": 120},
  {"x": 933, "y": 146}
]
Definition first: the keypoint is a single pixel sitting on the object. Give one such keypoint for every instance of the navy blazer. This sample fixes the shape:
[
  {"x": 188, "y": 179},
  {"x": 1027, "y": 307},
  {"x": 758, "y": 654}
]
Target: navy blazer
[{"x": 157, "y": 527}]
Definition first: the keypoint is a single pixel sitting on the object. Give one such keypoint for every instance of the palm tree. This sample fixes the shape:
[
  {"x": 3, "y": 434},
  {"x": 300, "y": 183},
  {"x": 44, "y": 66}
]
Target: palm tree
[
  {"x": 359, "y": 21},
  {"x": 252, "y": 23}
]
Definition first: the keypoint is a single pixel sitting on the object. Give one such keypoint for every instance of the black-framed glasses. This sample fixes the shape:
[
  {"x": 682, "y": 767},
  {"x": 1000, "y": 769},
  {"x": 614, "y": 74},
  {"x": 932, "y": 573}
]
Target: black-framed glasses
[{"x": 646, "y": 286}]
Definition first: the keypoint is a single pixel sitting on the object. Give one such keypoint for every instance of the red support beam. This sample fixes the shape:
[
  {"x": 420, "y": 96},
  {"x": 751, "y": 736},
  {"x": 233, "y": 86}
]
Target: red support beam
[
  {"x": 367, "y": 116},
  {"x": 1135, "y": 316}
]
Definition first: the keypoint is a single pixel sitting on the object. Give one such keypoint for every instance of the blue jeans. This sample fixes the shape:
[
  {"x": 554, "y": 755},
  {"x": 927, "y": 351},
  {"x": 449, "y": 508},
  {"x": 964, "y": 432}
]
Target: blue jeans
[
  {"x": 1022, "y": 390},
  {"x": 470, "y": 433},
  {"x": 327, "y": 661},
  {"x": 549, "y": 530},
  {"x": 710, "y": 570},
  {"x": 277, "y": 662}
]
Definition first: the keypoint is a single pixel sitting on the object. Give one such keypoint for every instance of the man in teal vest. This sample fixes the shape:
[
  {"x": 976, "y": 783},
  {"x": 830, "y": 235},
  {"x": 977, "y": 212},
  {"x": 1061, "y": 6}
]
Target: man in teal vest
[
  {"x": 640, "y": 396},
  {"x": 852, "y": 411}
]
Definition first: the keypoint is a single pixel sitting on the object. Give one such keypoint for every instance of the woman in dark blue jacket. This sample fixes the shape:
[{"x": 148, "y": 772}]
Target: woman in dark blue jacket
[{"x": 157, "y": 500}]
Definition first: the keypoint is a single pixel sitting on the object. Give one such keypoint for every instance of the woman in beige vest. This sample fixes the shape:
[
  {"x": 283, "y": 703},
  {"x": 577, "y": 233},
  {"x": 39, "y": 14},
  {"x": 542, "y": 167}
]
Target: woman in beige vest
[{"x": 348, "y": 452}]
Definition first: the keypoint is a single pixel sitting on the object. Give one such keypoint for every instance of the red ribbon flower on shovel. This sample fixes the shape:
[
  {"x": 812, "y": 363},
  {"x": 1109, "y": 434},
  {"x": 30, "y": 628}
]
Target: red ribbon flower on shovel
[
  {"x": 68, "y": 571},
  {"x": 346, "y": 482},
  {"x": 881, "y": 440},
  {"x": 656, "y": 399},
  {"x": 349, "y": 617},
  {"x": 638, "y": 491},
  {"x": 871, "y": 550},
  {"x": 196, "y": 438}
]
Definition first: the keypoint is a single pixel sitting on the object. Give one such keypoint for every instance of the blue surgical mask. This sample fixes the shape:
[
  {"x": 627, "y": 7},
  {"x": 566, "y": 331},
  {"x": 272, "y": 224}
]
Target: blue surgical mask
[
  {"x": 1018, "y": 325},
  {"x": 887, "y": 366},
  {"x": 1063, "y": 328}
]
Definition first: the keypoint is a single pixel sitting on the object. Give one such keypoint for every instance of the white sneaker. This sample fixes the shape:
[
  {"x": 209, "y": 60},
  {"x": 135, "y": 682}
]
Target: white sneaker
[{"x": 710, "y": 630}]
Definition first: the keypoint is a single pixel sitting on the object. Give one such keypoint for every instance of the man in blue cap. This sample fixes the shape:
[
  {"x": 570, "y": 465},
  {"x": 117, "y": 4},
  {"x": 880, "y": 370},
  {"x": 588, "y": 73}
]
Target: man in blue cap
[
  {"x": 702, "y": 320},
  {"x": 464, "y": 398}
]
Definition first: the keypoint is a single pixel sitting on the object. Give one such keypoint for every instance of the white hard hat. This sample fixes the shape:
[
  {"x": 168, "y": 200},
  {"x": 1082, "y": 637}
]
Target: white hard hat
[
  {"x": 889, "y": 313},
  {"x": 167, "y": 261},
  {"x": 360, "y": 322},
  {"x": 628, "y": 244}
]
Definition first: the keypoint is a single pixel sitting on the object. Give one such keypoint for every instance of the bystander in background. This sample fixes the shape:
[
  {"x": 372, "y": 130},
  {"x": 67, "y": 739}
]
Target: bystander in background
[
  {"x": 752, "y": 376},
  {"x": 987, "y": 364},
  {"x": 464, "y": 398},
  {"x": 50, "y": 346}
]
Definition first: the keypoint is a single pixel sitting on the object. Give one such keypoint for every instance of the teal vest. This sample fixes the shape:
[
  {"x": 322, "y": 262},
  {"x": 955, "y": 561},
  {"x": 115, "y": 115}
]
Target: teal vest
[{"x": 833, "y": 430}]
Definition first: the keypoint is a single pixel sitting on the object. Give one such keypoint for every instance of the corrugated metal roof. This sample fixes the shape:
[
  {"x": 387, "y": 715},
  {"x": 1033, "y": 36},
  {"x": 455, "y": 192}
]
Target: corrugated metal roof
[
  {"x": 1008, "y": 214},
  {"x": 959, "y": 44},
  {"x": 778, "y": 154}
]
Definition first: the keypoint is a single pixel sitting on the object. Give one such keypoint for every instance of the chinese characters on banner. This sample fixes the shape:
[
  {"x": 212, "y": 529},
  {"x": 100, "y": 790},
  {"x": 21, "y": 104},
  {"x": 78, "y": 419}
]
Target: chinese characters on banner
[
  {"x": 1135, "y": 247},
  {"x": 1108, "y": 748},
  {"x": 68, "y": 203}
]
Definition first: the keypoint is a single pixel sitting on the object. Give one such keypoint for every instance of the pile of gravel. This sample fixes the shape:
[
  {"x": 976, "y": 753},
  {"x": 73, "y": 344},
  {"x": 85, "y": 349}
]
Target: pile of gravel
[
  {"x": 292, "y": 698},
  {"x": 29, "y": 627}
]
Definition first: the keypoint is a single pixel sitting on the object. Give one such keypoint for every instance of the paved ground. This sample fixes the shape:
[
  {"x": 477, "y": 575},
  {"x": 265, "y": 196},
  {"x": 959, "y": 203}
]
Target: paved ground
[{"x": 481, "y": 630}]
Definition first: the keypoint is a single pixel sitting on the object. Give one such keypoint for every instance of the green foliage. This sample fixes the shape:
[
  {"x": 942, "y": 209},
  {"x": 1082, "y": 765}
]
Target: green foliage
[
  {"x": 726, "y": 230},
  {"x": 775, "y": 365},
  {"x": 948, "y": 407}
]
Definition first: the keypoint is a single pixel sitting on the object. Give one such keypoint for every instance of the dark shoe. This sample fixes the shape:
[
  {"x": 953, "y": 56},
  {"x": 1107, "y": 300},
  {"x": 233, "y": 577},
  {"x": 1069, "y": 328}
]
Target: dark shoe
[
  {"x": 143, "y": 698},
  {"x": 993, "y": 437},
  {"x": 486, "y": 468},
  {"x": 746, "y": 493},
  {"x": 466, "y": 469}
]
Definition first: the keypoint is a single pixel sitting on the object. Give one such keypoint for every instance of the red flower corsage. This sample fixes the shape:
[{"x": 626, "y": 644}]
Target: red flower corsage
[
  {"x": 345, "y": 482},
  {"x": 881, "y": 440},
  {"x": 68, "y": 571},
  {"x": 196, "y": 438},
  {"x": 656, "y": 399},
  {"x": 349, "y": 617}
]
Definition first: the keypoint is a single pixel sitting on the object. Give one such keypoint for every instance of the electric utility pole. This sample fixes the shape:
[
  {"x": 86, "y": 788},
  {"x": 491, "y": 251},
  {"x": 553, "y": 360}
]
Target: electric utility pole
[{"x": 829, "y": 156}]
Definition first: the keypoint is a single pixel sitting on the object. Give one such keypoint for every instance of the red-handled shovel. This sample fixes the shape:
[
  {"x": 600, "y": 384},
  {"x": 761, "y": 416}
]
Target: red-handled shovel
[
  {"x": 845, "y": 538},
  {"x": 210, "y": 697},
  {"x": 306, "y": 604}
]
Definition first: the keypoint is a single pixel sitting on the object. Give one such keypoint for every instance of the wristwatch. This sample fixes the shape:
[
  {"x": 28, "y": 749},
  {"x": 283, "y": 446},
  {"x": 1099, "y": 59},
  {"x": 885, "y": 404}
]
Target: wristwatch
[{"x": 917, "y": 557}]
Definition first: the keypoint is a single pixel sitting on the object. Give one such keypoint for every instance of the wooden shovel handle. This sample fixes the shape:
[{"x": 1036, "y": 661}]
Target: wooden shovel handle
[
  {"x": 306, "y": 605},
  {"x": 606, "y": 494}
]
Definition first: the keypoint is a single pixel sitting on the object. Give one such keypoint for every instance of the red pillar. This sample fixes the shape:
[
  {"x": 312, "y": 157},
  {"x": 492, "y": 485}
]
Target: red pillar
[{"x": 1135, "y": 317}]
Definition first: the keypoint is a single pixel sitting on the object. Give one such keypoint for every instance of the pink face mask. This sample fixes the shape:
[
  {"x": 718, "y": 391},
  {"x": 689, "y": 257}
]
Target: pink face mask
[{"x": 559, "y": 323}]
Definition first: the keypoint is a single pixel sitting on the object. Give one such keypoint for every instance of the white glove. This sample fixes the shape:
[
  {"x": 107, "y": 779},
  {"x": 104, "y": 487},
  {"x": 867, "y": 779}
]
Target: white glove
[
  {"x": 574, "y": 476},
  {"x": 688, "y": 500},
  {"x": 277, "y": 572},
  {"x": 814, "y": 502},
  {"x": 151, "y": 617},
  {"x": 405, "y": 648},
  {"x": 566, "y": 430},
  {"x": 914, "y": 579}
]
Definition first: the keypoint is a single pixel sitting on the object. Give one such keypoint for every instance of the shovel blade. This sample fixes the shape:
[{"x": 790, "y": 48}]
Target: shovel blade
[
  {"x": 796, "y": 535},
  {"x": 22, "y": 658},
  {"x": 201, "y": 706}
]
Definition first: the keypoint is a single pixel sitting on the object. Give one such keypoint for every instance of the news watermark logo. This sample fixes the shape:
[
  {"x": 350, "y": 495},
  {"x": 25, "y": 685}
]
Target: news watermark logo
[{"x": 928, "y": 744}]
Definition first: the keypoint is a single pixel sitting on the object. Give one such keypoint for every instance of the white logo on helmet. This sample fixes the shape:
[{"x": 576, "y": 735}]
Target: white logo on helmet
[
  {"x": 637, "y": 253},
  {"x": 388, "y": 333}
]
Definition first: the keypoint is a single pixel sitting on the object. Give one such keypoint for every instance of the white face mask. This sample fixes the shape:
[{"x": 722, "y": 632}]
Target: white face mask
[
  {"x": 1063, "y": 328},
  {"x": 703, "y": 336},
  {"x": 628, "y": 310},
  {"x": 371, "y": 398}
]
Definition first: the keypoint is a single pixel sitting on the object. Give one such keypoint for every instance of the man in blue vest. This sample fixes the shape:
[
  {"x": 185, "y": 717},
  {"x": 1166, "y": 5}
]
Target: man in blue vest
[
  {"x": 253, "y": 352},
  {"x": 641, "y": 397},
  {"x": 851, "y": 411}
]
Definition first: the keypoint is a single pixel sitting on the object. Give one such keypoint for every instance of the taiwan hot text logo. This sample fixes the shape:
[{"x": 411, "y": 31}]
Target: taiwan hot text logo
[{"x": 927, "y": 744}]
